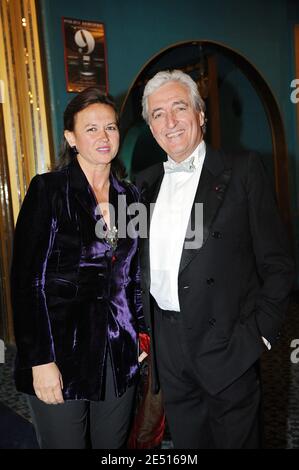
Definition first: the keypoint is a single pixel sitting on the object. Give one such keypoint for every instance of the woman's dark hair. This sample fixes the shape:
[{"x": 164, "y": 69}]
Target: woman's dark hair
[{"x": 90, "y": 95}]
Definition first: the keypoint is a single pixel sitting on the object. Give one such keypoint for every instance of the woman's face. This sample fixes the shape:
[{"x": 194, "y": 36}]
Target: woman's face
[{"x": 95, "y": 134}]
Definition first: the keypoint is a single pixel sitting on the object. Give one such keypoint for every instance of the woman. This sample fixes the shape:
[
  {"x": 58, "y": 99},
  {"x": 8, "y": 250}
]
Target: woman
[{"x": 75, "y": 288}]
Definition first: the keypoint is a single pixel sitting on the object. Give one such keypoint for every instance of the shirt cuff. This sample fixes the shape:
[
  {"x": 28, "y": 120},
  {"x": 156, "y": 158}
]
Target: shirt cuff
[{"x": 266, "y": 342}]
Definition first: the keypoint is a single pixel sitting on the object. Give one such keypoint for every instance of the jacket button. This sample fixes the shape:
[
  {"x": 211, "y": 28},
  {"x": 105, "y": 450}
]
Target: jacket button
[
  {"x": 210, "y": 281},
  {"x": 217, "y": 235},
  {"x": 186, "y": 287},
  {"x": 212, "y": 321}
]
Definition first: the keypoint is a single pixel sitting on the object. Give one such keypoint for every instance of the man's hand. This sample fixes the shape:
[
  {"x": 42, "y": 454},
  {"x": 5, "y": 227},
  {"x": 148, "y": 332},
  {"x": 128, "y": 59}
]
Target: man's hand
[{"x": 47, "y": 383}]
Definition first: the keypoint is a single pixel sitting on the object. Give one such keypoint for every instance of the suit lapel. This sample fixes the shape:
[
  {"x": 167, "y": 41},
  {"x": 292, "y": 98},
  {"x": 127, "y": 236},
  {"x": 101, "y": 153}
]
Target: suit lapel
[{"x": 211, "y": 190}]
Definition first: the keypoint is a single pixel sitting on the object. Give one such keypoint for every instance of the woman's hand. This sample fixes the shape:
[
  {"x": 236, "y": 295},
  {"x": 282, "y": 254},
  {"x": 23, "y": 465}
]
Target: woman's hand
[{"x": 47, "y": 383}]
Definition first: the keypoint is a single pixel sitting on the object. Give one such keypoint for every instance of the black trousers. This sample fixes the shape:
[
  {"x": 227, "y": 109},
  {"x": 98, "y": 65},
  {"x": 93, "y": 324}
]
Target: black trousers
[
  {"x": 80, "y": 424},
  {"x": 197, "y": 420}
]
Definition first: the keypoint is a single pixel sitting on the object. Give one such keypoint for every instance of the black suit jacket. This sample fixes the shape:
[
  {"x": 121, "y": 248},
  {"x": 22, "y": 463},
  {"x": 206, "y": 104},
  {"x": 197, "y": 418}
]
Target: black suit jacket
[{"x": 234, "y": 288}]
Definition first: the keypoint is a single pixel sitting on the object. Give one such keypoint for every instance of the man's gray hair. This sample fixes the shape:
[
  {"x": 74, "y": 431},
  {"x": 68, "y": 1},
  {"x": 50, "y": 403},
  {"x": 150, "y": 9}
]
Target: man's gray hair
[{"x": 161, "y": 78}]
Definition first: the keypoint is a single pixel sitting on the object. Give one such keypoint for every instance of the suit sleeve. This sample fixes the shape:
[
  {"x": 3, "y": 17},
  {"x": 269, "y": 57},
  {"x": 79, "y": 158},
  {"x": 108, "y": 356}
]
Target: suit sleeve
[
  {"x": 34, "y": 234},
  {"x": 271, "y": 247}
]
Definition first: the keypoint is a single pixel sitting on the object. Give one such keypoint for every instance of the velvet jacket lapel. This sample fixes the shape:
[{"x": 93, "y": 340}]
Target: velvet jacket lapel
[
  {"x": 210, "y": 192},
  {"x": 81, "y": 190}
]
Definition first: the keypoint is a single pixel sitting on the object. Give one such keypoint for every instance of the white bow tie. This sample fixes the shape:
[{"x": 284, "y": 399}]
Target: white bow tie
[{"x": 171, "y": 167}]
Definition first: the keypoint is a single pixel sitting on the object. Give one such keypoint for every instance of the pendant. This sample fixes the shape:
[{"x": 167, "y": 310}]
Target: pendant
[{"x": 111, "y": 237}]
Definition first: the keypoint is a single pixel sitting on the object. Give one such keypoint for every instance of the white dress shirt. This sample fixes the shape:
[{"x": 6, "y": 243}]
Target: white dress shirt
[{"x": 168, "y": 229}]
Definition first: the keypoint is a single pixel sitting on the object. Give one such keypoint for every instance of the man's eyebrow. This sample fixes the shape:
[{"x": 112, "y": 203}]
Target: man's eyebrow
[
  {"x": 175, "y": 103},
  {"x": 180, "y": 102},
  {"x": 112, "y": 123},
  {"x": 155, "y": 110}
]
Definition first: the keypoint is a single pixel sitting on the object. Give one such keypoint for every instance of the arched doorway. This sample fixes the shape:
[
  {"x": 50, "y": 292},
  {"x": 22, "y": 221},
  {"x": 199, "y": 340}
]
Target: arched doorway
[{"x": 242, "y": 110}]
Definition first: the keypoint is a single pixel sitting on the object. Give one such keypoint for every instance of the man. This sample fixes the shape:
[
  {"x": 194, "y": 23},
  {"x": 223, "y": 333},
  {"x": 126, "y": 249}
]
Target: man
[{"x": 218, "y": 288}]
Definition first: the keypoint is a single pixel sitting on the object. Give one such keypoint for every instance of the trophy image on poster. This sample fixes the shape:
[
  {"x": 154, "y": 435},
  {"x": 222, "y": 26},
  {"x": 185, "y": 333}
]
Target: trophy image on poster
[
  {"x": 86, "y": 43},
  {"x": 85, "y": 54}
]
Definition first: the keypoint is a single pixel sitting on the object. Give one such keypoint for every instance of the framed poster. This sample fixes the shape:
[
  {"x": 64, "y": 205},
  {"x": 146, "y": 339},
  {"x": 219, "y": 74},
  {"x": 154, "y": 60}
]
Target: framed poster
[{"x": 84, "y": 54}]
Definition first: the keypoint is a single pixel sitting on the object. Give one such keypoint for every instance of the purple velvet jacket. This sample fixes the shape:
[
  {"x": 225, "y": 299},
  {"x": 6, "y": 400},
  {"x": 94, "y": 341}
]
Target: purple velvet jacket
[{"x": 73, "y": 297}]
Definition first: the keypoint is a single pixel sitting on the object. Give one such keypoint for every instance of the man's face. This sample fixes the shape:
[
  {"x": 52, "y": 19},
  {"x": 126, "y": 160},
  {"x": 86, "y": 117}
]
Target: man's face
[{"x": 174, "y": 123}]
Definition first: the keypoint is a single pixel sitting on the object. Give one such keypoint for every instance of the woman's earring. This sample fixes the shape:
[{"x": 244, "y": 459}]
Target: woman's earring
[{"x": 75, "y": 150}]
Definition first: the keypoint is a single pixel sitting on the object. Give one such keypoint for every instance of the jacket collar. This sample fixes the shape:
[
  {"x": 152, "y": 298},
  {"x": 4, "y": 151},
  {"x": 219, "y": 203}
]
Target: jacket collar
[
  {"x": 83, "y": 192},
  {"x": 214, "y": 164}
]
